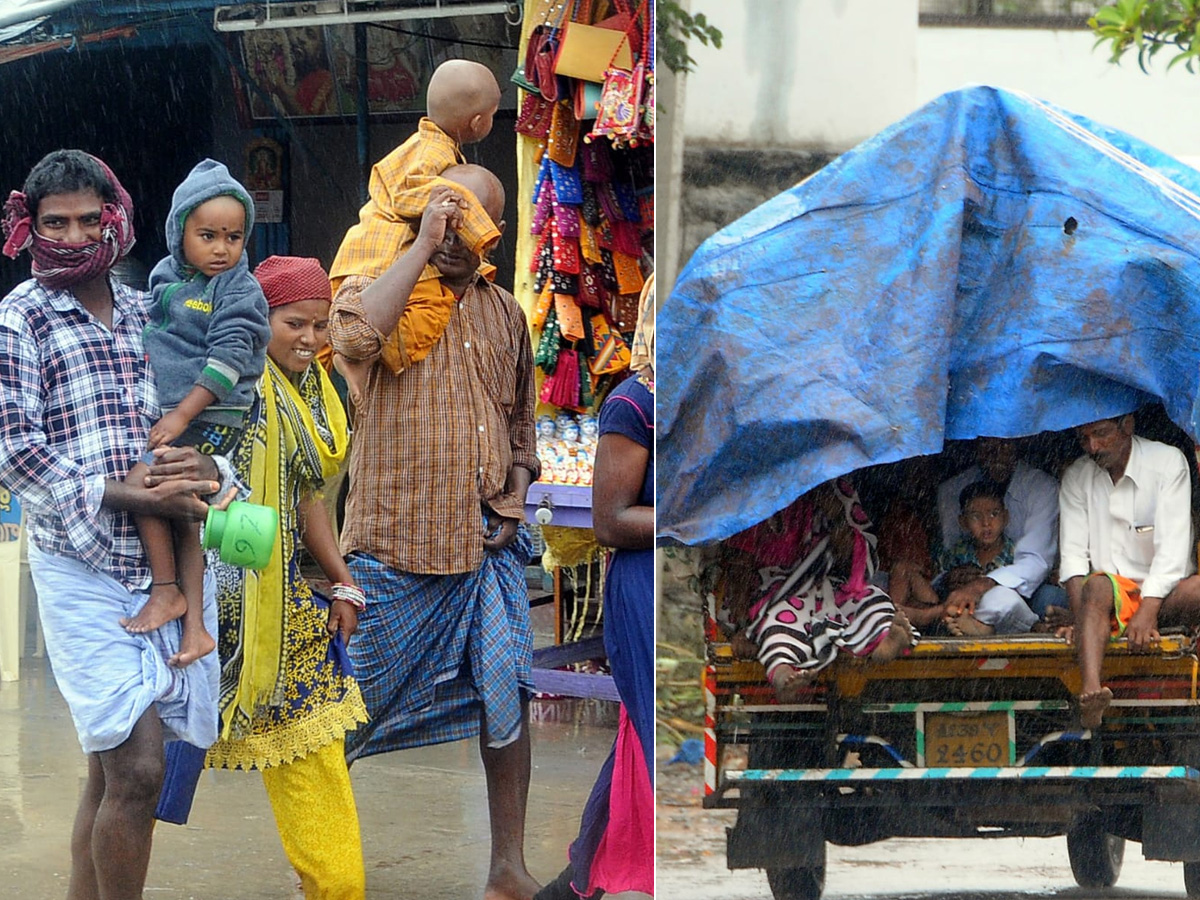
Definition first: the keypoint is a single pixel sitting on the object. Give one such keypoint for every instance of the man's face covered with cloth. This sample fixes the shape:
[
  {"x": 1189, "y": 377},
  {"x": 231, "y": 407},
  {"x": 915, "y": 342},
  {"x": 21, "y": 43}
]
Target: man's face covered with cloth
[{"x": 73, "y": 216}]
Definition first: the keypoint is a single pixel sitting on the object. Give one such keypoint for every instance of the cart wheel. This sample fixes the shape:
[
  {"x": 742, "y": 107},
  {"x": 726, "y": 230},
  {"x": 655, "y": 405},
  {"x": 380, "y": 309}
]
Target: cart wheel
[
  {"x": 797, "y": 884},
  {"x": 1096, "y": 856},
  {"x": 1191, "y": 878}
]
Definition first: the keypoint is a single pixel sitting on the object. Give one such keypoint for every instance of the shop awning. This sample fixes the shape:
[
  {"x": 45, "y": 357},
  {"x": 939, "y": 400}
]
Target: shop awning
[
  {"x": 20, "y": 16},
  {"x": 989, "y": 265}
]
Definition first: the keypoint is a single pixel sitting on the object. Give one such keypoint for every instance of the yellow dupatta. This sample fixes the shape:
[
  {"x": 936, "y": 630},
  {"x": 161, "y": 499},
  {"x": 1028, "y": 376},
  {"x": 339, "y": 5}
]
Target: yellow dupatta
[{"x": 291, "y": 452}]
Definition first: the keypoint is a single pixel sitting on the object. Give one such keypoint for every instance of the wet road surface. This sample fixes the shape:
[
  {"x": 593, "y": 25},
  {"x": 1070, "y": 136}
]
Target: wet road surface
[{"x": 423, "y": 812}]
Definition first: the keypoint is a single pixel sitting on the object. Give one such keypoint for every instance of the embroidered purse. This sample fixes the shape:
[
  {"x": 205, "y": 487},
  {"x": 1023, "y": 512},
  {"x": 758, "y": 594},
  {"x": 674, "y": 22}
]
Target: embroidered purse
[
  {"x": 534, "y": 118},
  {"x": 611, "y": 353},
  {"x": 621, "y": 97},
  {"x": 566, "y": 255},
  {"x": 591, "y": 292},
  {"x": 566, "y": 220},
  {"x": 568, "y": 186},
  {"x": 546, "y": 356},
  {"x": 569, "y": 317},
  {"x": 629, "y": 274},
  {"x": 563, "y": 140},
  {"x": 545, "y": 302}
]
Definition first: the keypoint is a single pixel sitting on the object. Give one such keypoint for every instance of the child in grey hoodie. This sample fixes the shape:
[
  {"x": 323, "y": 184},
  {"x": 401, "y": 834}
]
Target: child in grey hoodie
[{"x": 207, "y": 341}]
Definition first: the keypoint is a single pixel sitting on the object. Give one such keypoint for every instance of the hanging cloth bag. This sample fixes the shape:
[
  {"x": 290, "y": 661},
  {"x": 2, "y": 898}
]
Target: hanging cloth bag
[
  {"x": 583, "y": 49},
  {"x": 619, "y": 112}
]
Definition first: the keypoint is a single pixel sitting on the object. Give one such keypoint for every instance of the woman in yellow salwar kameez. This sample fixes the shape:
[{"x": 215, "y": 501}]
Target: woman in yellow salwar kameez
[{"x": 287, "y": 694}]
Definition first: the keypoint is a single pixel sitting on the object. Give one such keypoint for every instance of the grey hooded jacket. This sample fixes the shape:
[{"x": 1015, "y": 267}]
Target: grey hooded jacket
[{"x": 211, "y": 332}]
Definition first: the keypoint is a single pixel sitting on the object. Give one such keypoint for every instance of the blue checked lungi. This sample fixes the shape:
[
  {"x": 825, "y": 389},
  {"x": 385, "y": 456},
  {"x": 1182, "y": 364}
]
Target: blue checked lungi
[
  {"x": 110, "y": 677},
  {"x": 433, "y": 652}
]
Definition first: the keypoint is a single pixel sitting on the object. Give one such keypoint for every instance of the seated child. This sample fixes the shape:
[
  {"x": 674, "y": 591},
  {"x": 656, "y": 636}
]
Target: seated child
[
  {"x": 462, "y": 98},
  {"x": 207, "y": 343},
  {"x": 802, "y": 579},
  {"x": 982, "y": 515}
]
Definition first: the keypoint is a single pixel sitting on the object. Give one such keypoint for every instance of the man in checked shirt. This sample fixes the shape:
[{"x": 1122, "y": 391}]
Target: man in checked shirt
[
  {"x": 443, "y": 454},
  {"x": 76, "y": 403}
]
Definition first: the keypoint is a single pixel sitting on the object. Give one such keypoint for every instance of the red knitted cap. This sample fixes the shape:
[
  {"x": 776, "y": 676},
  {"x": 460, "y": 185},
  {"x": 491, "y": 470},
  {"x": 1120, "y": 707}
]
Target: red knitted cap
[{"x": 290, "y": 279}]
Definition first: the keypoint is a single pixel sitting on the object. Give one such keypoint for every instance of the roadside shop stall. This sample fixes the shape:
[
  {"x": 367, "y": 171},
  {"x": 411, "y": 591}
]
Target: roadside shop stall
[{"x": 585, "y": 126}]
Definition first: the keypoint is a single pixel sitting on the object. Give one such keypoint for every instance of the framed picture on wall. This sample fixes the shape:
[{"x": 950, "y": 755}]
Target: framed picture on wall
[{"x": 310, "y": 73}]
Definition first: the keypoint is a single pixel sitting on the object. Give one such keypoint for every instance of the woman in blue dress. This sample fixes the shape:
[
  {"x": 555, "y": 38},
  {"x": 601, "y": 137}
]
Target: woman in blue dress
[{"x": 614, "y": 852}]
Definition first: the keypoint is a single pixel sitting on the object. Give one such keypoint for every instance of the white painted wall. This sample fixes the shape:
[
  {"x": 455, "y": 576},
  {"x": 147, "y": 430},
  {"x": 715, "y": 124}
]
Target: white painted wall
[
  {"x": 827, "y": 74},
  {"x": 801, "y": 73},
  {"x": 1061, "y": 67}
]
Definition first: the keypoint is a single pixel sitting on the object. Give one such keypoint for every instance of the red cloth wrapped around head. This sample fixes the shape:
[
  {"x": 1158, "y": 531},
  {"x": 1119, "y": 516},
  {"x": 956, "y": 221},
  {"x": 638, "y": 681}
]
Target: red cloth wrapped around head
[{"x": 290, "y": 279}]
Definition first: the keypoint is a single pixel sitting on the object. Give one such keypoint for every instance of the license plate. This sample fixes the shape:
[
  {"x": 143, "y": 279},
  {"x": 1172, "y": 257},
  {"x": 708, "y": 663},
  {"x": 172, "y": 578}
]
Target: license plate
[{"x": 967, "y": 739}]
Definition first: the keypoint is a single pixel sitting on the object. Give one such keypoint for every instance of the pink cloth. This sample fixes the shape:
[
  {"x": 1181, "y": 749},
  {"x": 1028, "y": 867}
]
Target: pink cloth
[
  {"x": 779, "y": 540},
  {"x": 624, "y": 861},
  {"x": 804, "y": 614}
]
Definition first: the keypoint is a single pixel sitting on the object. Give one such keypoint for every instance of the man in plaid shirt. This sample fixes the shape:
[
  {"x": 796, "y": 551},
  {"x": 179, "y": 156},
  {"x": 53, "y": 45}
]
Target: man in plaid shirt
[{"x": 76, "y": 401}]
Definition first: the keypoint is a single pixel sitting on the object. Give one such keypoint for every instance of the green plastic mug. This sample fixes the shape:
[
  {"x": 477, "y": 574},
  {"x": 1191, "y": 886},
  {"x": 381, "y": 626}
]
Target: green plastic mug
[{"x": 244, "y": 533}]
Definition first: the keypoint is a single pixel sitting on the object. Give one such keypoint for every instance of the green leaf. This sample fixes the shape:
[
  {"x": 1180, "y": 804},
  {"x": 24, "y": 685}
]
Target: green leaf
[{"x": 1181, "y": 57}]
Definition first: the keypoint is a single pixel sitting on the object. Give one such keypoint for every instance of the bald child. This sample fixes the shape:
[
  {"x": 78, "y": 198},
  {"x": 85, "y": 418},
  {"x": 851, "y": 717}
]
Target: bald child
[{"x": 461, "y": 101}]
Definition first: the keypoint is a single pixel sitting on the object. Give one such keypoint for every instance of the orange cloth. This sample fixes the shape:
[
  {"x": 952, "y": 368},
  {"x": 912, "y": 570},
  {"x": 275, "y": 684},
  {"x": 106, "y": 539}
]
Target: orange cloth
[
  {"x": 420, "y": 326},
  {"x": 1127, "y": 597},
  {"x": 400, "y": 188}
]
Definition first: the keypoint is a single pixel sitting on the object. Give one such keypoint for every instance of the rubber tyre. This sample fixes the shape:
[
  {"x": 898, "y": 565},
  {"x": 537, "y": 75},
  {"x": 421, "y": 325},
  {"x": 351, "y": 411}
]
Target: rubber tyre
[
  {"x": 1096, "y": 856},
  {"x": 805, "y": 883},
  {"x": 1191, "y": 878}
]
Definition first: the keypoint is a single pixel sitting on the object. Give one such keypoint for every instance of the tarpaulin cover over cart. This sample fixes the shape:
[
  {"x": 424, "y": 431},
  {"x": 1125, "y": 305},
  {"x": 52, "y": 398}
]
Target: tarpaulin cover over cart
[{"x": 989, "y": 265}]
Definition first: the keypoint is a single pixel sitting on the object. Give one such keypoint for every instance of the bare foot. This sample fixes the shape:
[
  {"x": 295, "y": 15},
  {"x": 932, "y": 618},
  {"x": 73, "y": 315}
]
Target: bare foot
[
  {"x": 964, "y": 625},
  {"x": 195, "y": 643},
  {"x": 1092, "y": 706},
  {"x": 1057, "y": 617},
  {"x": 508, "y": 883},
  {"x": 898, "y": 639},
  {"x": 743, "y": 647},
  {"x": 166, "y": 604},
  {"x": 788, "y": 681}
]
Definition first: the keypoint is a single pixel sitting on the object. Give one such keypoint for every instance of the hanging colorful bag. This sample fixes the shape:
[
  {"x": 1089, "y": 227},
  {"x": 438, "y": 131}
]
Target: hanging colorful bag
[
  {"x": 546, "y": 355},
  {"x": 583, "y": 51},
  {"x": 629, "y": 273},
  {"x": 568, "y": 185},
  {"x": 610, "y": 352},
  {"x": 566, "y": 254},
  {"x": 561, "y": 387},
  {"x": 621, "y": 97},
  {"x": 535, "y": 116},
  {"x": 591, "y": 292},
  {"x": 587, "y": 100},
  {"x": 566, "y": 220},
  {"x": 589, "y": 246},
  {"x": 568, "y": 317},
  {"x": 563, "y": 140},
  {"x": 587, "y": 393},
  {"x": 541, "y": 312}
]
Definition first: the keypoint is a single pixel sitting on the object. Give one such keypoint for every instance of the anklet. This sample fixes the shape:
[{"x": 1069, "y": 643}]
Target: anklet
[{"x": 164, "y": 583}]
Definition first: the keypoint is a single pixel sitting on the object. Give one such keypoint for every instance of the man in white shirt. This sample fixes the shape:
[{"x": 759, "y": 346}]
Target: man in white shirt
[
  {"x": 999, "y": 602},
  {"x": 1125, "y": 530}
]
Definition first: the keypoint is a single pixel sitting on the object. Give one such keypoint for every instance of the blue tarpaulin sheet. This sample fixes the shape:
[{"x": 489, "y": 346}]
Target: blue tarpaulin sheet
[{"x": 990, "y": 265}]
